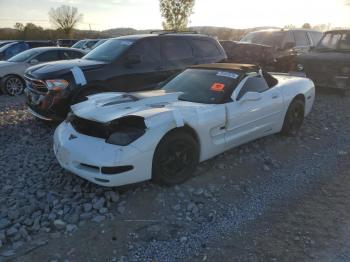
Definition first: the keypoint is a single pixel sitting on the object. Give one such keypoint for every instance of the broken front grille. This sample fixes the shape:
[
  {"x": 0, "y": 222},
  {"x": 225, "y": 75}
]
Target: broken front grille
[
  {"x": 89, "y": 128},
  {"x": 36, "y": 84}
]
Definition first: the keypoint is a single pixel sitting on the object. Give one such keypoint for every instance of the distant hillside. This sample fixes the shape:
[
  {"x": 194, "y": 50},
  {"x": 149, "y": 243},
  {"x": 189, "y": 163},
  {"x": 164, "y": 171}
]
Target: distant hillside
[{"x": 40, "y": 33}]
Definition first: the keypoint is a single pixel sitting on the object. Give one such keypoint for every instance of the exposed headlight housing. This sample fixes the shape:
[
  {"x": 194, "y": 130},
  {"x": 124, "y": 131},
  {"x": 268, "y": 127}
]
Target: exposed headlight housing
[
  {"x": 300, "y": 67},
  {"x": 126, "y": 130},
  {"x": 125, "y": 137},
  {"x": 56, "y": 84}
]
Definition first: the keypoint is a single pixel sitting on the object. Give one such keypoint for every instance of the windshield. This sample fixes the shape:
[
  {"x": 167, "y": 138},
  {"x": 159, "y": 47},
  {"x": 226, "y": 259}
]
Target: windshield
[
  {"x": 110, "y": 50},
  {"x": 334, "y": 41},
  {"x": 24, "y": 56},
  {"x": 99, "y": 43},
  {"x": 3, "y": 48},
  {"x": 79, "y": 44},
  {"x": 204, "y": 86},
  {"x": 271, "y": 38}
]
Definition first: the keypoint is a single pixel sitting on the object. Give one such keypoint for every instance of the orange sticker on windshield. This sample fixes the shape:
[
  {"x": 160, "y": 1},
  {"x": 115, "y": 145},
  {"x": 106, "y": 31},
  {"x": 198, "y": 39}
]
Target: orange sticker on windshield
[{"x": 218, "y": 87}]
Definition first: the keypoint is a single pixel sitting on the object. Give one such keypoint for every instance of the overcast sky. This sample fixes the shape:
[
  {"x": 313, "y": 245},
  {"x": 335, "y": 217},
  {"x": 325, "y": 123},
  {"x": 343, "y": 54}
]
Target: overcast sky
[{"x": 144, "y": 14}]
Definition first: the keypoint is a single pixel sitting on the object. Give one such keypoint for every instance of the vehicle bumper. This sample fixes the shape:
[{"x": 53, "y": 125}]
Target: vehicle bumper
[
  {"x": 45, "y": 105},
  {"x": 85, "y": 156}
]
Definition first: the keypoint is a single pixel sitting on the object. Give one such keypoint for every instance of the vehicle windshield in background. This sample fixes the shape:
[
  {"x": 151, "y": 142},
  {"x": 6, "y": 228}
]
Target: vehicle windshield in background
[
  {"x": 110, "y": 50},
  {"x": 24, "y": 56},
  {"x": 6, "y": 46},
  {"x": 99, "y": 43},
  {"x": 334, "y": 41},
  {"x": 271, "y": 38},
  {"x": 203, "y": 85},
  {"x": 79, "y": 44}
]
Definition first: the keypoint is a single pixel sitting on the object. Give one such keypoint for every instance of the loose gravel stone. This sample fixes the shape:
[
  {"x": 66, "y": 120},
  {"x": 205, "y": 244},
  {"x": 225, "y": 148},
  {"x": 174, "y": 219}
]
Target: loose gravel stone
[{"x": 59, "y": 224}]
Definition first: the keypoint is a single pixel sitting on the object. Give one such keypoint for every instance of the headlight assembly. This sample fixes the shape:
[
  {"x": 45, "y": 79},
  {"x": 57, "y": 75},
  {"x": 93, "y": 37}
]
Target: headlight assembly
[
  {"x": 125, "y": 137},
  {"x": 56, "y": 84}
]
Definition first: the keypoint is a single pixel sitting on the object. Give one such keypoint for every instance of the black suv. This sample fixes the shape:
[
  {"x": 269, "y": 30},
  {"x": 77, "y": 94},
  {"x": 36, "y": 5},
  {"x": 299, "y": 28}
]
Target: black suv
[
  {"x": 126, "y": 64},
  {"x": 328, "y": 64}
]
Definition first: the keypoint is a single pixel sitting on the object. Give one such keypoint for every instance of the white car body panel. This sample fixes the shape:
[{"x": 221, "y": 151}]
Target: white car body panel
[
  {"x": 13, "y": 68},
  {"x": 218, "y": 127}
]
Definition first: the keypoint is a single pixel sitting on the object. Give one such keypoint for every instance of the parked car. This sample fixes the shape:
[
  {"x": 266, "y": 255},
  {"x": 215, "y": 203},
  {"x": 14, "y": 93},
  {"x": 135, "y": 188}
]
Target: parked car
[
  {"x": 5, "y": 42},
  {"x": 128, "y": 63},
  {"x": 113, "y": 139},
  {"x": 328, "y": 64},
  {"x": 66, "y": 42},
  {"x": 249, "y": 53},
  {"x": 13, "y": 48},
  {"x": 287, "y": 44},
  {"x": 100, "y": 42},
  {"x": 12, "y": 71},
  {"x": 86, "y": 44}
]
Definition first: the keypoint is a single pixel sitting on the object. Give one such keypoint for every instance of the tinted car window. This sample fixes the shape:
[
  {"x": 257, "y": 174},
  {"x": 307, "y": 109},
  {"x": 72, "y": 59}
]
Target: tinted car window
[
  {"x": 48, "y": 56},
  {"x": 68, "y": 54},
  {"x": 344, "y": 43},
  {"x": 329, "y": 41},
  {"x": 110, "y": 50},
  {"x": 301, "y": 38},
  {"x": 176, "y": 49},
  {"x": 148, "y": 50},
  {"x": 253, "y": 84},
  {"x": 271, "y": 38},
  {"x": 316, "y": 37},
  {"x": 203, "y": 85},
  {"x": 205, "y": 48}
]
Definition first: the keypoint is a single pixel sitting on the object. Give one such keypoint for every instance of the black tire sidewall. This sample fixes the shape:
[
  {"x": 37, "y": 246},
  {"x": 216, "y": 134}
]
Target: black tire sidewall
[
  {"x": 287, "y": 130},
  {"x": 174, "y": 137}
]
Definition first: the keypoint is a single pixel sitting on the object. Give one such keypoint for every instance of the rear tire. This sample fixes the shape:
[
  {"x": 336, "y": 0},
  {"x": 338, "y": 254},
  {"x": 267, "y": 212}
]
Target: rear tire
[
  {"x": 12, "y": 85},
  {"x": 294, "y": 118},
  {"x": 175, "y": 158}
]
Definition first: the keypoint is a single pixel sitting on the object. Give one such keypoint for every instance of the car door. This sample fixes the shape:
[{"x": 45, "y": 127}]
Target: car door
[
  {"x": 177, "y": 54},
  {"x": 142, "y": 67},
  {"x": 255, "y": 111}
]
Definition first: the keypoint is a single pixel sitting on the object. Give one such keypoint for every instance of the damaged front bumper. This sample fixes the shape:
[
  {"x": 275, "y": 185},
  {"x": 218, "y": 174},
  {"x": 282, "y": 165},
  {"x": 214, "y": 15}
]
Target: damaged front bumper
[{"x": 99, "y": 162}]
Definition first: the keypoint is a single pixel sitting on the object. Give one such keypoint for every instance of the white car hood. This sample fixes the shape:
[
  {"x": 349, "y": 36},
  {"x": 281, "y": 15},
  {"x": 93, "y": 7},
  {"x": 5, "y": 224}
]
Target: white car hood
[{"x": 106, "y": 107}]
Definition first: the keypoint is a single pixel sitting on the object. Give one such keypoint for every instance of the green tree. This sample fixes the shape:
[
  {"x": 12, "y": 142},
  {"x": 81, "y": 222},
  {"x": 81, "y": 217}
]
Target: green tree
[
  {"x": 176, "y": 13},
  {"x": 306, "y": 26},
  {"x": 65, "y": 18},
  {"x": 19, "y": 26}
]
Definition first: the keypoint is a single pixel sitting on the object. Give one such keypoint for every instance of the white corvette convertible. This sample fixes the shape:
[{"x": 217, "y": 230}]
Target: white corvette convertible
[{"x": 114, "y": 139}]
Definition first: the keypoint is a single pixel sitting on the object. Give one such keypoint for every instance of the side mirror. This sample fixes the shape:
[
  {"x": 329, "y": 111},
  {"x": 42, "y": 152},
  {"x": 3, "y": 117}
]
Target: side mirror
[
  {"x": 250, "y": 96},
  {"x": 132, "y": 60},
  {"x": 33, "y": 61}
]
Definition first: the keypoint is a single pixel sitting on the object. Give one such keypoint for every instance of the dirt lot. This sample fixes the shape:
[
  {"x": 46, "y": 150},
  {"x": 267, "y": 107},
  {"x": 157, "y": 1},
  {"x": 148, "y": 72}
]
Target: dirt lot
[{"x": 275, "y": 199}]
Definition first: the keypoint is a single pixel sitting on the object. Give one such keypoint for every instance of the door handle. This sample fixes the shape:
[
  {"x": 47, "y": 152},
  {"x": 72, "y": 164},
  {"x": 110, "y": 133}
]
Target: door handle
[{"x": 274, "y": 96}]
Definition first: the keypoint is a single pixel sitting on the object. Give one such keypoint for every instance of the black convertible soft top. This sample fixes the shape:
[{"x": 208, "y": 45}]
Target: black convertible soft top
[{"x": 239, "y": 68}]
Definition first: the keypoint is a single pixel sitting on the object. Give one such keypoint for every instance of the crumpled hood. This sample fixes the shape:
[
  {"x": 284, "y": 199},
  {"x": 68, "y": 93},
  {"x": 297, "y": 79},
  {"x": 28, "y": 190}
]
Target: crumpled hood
[
  {"x": 58, "y": 68},
  {"x": 106, "y": 107}
]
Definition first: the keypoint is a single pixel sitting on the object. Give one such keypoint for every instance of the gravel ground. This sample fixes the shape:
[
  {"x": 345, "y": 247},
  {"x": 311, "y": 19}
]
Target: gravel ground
[{"x": 49, "y": 214}]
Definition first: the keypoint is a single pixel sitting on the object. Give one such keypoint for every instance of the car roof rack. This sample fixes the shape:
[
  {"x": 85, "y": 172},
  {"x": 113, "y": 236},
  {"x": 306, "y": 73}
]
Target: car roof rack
[{"x": 164, "y": 32}]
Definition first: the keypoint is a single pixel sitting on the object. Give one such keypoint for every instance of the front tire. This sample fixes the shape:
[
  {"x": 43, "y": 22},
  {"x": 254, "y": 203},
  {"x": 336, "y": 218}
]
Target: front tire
[
  {"x": 12, "y": 85},
  {"x": 294, "y": 118},
  {"x": 175, "y": 158}
]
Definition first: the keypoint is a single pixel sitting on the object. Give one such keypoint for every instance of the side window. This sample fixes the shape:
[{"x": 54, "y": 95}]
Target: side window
[
  {"x": 205, "y": 48},
  {"x": 67, "y": 54},
  {"x": 148, "y": 50},
  {"x": 301, "y": 38},
  {"x": 316, "y": 37},
  {"x": 176, "y": 49},
  {"x": 48, "y": 56},
  {"x": 253, "y": 84}
]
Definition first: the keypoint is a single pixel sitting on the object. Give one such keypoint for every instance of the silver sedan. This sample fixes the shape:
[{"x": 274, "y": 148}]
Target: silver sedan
[{"x": 12, "y": 70}]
